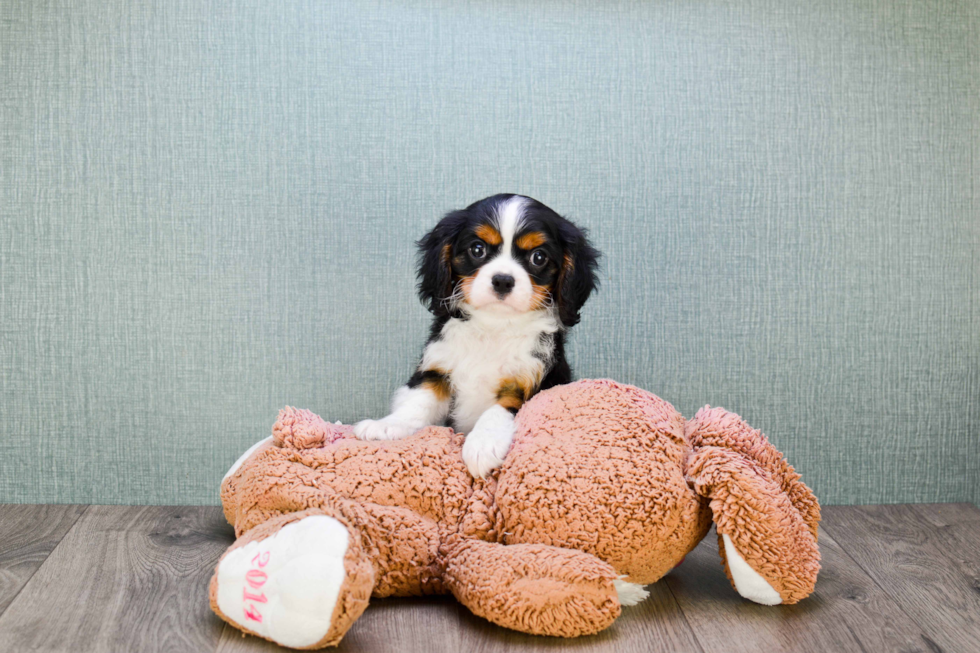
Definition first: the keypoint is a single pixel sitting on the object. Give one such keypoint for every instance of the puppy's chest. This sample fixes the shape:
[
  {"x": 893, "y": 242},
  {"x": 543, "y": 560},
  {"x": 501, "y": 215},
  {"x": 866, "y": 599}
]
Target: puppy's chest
[{"x": 478, "y": 356}]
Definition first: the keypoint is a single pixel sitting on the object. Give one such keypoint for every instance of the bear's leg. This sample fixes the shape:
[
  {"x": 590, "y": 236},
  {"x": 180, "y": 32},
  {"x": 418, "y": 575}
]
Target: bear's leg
[
  {"x": 300, "y": 580},
  {"x": 536, "y": 588},
  {"x": 717, "y": 427},
  {"x": 765, "y": 517}
]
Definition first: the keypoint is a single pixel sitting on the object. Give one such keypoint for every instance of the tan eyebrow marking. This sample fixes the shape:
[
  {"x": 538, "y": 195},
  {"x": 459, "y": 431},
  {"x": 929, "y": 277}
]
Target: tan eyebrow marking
[
  {"x": 531, "y": 240},
  {"x": 489, "y": 235}
]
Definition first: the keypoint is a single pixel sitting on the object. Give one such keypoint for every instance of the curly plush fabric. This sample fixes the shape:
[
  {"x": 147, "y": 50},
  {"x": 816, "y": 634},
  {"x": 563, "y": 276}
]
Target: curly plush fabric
[
  {"x": 758, "y": 500},
  {"x": 605, "y": 484},
  {"x": 302, "y": 429},
  {"x": 603, "y": 464}
]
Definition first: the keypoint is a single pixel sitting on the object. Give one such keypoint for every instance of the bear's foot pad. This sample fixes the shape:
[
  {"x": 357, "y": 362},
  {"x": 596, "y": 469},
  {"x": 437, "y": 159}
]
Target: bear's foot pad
[
  {"x": 747, "y": 581},
  {"x": 629, "y": 593},
  {"x": 285, "y": 587}
]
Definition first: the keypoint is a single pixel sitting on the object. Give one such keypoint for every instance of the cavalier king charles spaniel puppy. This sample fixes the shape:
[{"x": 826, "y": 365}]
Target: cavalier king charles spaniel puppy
[{"x": 505, "y": 279}]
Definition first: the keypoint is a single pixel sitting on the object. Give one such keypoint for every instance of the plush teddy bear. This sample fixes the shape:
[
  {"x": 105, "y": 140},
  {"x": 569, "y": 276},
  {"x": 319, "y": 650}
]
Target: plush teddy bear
[{"x": 605, "y": 489}]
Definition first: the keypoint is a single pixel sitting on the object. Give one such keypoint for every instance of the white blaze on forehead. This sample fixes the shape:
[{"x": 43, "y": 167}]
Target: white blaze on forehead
[{"x": 510, "y": 215}]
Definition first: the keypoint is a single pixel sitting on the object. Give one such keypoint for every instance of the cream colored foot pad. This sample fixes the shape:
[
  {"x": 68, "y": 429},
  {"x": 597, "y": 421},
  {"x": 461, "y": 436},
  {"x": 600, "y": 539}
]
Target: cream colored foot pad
[
  {"x": 748, "y": 582},
  {"x": 285, "y": 587}
]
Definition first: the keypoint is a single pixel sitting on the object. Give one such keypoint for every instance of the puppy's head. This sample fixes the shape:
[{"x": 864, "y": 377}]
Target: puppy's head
[{"x": 507, "y": 254}]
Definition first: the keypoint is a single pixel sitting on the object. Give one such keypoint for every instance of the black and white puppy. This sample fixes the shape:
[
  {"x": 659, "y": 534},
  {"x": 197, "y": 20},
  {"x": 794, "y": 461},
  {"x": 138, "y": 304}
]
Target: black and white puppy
[{"x": 505, "y": 278}]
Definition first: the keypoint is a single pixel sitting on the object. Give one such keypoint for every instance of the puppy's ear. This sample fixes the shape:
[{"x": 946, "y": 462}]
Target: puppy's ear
[
  {"x": 577, "y": 278},
  {"x": 435, "y": 274}
]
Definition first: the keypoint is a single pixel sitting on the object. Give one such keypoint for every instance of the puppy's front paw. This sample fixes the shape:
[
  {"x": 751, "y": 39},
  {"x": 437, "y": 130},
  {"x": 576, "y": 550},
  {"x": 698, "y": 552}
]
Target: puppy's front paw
[
  {"x": 487, "y": 444},
  {"x": 383, "y": 429}
]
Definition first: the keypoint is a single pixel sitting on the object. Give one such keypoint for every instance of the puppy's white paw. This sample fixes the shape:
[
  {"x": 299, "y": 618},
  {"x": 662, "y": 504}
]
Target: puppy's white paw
[
  {"x": 484, "y": 452},
  {"x": 487, "y": 444},
  {"x": 383, "y": 429}
]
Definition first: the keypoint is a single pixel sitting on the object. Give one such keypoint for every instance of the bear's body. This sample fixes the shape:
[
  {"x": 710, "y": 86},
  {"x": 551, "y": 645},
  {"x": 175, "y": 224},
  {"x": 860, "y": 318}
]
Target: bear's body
[{"x": 605, "y": 488}]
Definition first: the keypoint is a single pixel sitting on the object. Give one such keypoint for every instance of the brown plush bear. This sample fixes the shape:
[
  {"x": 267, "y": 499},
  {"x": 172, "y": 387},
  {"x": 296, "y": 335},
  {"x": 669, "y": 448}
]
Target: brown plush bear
[{"x": 605, "y": 489}]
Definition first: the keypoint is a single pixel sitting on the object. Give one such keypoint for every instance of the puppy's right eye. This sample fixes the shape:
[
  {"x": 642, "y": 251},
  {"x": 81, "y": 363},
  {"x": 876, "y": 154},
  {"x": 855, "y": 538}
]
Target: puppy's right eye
[{"x": 478, "y": 250}]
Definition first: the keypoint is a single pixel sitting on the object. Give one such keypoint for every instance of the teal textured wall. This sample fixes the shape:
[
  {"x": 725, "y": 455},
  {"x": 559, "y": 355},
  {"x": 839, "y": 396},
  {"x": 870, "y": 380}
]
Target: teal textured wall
[{"x": 207, "y": 211}]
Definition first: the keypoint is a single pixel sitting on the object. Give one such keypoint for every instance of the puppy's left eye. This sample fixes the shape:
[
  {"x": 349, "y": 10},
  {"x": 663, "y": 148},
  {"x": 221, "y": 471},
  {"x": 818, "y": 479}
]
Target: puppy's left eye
[{"x": 538, "y": 258}]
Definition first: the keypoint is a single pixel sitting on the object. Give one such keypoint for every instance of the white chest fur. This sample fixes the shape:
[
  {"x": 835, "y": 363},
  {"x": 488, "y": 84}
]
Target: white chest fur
[{"x": 481, "y": 351}]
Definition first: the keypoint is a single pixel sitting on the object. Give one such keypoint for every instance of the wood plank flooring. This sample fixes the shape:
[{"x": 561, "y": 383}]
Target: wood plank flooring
[{"x": 117, "y": 578}]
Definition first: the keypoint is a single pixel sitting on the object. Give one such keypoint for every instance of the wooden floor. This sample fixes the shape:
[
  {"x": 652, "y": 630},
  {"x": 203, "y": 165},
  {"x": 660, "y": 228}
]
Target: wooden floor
[{"x": 111, "y": 578}]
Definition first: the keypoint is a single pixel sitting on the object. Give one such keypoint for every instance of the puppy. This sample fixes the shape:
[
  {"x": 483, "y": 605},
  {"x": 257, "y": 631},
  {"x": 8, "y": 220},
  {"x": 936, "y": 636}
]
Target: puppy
[{"x": 505, "y": 279}]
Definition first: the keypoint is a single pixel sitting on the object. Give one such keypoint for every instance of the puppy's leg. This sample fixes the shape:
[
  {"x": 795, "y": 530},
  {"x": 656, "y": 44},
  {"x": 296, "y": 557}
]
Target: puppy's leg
[
  {"x": 423, "y": 401},
  {"x": 489, "y": 441},
  {"x": 487, "y": 444}
]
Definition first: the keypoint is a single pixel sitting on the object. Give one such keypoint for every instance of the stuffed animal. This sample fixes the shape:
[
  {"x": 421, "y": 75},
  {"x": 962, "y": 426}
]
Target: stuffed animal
[{"x": 605, "y": 489}]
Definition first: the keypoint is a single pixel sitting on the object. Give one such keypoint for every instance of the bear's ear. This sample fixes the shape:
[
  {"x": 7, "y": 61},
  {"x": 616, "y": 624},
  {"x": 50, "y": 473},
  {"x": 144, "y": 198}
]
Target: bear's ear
[
  {"x": 577, "y": 278},
  {"x": 435, "y": 272}
]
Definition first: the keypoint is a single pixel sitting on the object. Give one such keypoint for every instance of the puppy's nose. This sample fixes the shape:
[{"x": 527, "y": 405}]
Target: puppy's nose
[{"x": 502, "y": 284}]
